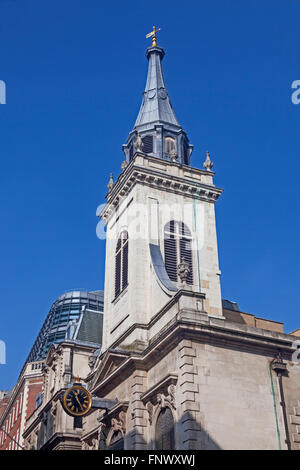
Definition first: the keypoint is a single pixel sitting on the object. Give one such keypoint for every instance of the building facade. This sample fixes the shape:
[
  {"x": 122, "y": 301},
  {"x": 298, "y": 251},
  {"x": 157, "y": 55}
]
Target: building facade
[
  {"x": 49, "y": 427},
  {"x": 65, "y": 309},
  {"x": 189, "y": 371},
  {"x": 19, "y": 405},
  {"x": 76, "y": 315}
]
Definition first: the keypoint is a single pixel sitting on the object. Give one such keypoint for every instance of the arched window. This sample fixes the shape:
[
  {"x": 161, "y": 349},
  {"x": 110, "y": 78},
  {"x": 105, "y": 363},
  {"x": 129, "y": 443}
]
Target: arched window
[
  {"x": 148, "y": 144},
  {"x": 164, "y": 430},
  {"x": 170, "y": 145},
  {"x": 121, "y": 272},
  {"x": 117, "y": 441},
  {"x": 185, "y": 154},
  {"x": 177, "y": 244}
]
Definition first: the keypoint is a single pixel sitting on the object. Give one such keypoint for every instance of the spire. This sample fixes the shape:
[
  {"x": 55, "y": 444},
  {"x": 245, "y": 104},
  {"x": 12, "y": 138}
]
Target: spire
[
  {"x": 157, "y": 130},
  {"x": 156, "y": 105}
]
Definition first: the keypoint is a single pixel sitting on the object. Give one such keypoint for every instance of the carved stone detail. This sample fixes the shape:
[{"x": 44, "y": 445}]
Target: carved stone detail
[
  {"x": 150, "y": 408},
  {"x": 161, "y": 396},
  {"x": 92, "y": 360},
  {"x": 119, "y": 423}
]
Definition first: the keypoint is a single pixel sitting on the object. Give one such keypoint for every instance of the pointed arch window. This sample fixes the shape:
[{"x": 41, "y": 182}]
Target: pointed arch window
[
  {"x": 121, "y": 264},
  {"x": 177, "y": 245},
  {"x": 164, "y": 430}
]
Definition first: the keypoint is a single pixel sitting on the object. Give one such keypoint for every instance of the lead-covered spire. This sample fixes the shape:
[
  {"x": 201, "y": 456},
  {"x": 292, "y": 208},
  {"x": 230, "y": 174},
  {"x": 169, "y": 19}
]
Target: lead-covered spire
[
  {"x": 156, "y": 105},
  {"x": 157, "y": 125}
]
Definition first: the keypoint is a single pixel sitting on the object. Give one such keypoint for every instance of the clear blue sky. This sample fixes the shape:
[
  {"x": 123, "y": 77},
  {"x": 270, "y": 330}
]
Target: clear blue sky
[{"x": 75, "y": 71}]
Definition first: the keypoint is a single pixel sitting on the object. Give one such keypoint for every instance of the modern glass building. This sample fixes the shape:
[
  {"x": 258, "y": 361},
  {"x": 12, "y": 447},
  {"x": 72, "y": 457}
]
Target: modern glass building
[{"x": 67, "y": 307}]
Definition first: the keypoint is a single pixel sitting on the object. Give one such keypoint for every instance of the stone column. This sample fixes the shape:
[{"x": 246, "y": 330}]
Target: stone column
[
  {"x": 138, "y": 412},
  {"x": 188, "y": 399}
]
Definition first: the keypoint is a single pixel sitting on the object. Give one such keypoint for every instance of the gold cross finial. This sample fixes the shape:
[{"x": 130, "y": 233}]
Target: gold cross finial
[{"x": 153, "y": 34}]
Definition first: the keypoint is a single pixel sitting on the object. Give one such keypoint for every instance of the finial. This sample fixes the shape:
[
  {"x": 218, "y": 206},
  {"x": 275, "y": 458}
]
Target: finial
[
  {"x": 208, "y": 164},
  {"x": 124, "y": 165},
  {"x": 183, "y": 270},
  {"x": 110, "y": 183},
  {"x": 139, "y": 144},
  {"x": 173, "y": 156},
  {"x": 77, "y": 379},
  {"x": 153, "y": 34}
]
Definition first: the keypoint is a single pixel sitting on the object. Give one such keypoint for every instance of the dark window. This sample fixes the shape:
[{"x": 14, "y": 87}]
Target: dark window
[
  {"x": 77, "y": 422},
  {"x": 185, "y": 154},
  {"x": 117, "y": 441},
  {"x": 177, "y": 245},
  {"x": 121, "y": 267},
  {"x": 164, "y": 431},
  {"x": 130, "y": 152},
  {"x": 148, "y": 144},
  {"x": 103, "y": 437}
]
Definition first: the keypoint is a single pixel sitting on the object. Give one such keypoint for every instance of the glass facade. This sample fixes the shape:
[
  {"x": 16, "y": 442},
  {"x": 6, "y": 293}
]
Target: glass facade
[{"x": 66, "y": 308}]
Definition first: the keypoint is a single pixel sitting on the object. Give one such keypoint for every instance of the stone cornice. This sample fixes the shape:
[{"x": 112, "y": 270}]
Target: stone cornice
[
  {"x": 165, "y": 309},
  {"x": 209, "y": 330},
  {"x": 139, "y": 173},
  {"x": 61, "y": 437}
]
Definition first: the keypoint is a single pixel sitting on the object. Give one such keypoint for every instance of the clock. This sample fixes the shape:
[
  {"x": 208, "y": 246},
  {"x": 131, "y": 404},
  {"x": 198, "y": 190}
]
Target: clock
[{"x": 77, "y": 401}]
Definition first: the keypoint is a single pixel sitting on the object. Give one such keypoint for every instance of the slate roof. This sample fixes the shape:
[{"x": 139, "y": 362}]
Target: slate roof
[{"x": 90, "y": 327}]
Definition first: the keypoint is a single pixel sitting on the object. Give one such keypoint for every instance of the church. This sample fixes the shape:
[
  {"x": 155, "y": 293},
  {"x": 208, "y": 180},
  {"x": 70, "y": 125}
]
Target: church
[
  {"x": 188, "y": 369},
  {"x": 182, "y": 368}
]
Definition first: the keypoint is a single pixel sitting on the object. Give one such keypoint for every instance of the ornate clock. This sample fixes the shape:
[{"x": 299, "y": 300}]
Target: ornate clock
[{"x": 77, "y": 401}]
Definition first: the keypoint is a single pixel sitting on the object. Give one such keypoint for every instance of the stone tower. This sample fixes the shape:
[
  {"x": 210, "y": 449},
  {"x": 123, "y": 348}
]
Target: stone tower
[
  {"x": 159, "y": 213},
  {"x": 188, "y": 370}
]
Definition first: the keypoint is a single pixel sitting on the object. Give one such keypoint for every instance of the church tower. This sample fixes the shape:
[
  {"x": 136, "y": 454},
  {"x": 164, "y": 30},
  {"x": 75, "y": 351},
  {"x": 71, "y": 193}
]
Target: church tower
[
  {"x": 183, "y": 373},
  {"x": 161, "y": 252}
]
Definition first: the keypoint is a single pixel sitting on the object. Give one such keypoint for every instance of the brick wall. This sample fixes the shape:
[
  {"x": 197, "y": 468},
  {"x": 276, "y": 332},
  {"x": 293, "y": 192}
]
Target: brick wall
[{"x": 18, "y": 411}]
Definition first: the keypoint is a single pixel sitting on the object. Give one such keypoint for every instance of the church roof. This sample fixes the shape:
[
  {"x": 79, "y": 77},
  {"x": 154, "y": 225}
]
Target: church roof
[{"x": 90, "y": 327}]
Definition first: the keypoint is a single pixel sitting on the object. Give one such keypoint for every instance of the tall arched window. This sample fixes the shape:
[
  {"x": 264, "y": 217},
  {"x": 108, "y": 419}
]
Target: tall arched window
[
  {"x": 177, "y": 244},
  {"x": 170, "y": 145},
  {"x": 121, "y": 267},
  {"x": 164, "y": 430},
  {"x": 148, "y": 144}
]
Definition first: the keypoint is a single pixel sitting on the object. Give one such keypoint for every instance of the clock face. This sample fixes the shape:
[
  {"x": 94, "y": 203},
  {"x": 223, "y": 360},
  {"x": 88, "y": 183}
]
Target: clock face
[{"x": 77, "y": 401}]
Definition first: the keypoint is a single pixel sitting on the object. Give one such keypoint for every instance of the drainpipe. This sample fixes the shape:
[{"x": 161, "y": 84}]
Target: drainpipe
[
  {"x": 197, "y": 239},
  {"x": 280, "y": 368},
  {"x": 71, "y": 363},
  {"x": 274, "y": 404}
]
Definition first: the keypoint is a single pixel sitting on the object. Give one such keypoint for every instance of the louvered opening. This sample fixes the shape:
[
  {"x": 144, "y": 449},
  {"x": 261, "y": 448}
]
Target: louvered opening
[
  {"x": 185, "y": 154},
  {"x": 118, "y": 274},
  {"x": 177, "y": 245},
  {"x": 148, "y": 144},
  {"x": 171, "y": 258},
  {"x": 125, "y": 266},
  {"x": 121, "y": 267}
]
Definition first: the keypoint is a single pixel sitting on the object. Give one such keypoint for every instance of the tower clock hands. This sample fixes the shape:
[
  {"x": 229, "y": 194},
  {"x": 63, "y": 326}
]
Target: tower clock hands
[{"x": 77, "y": 399}]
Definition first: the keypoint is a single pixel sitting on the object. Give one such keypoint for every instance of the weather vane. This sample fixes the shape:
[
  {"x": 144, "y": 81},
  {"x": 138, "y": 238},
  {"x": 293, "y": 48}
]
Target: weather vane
[{"x": 153, "y": 34}]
